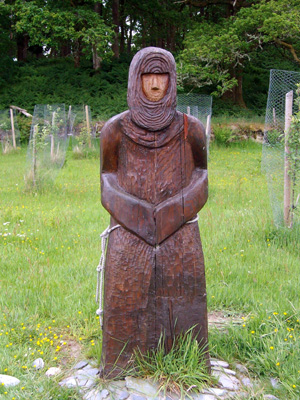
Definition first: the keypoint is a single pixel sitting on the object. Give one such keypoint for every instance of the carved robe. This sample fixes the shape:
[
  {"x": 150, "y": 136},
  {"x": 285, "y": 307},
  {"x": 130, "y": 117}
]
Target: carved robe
[{"x": 153, "y": 184}]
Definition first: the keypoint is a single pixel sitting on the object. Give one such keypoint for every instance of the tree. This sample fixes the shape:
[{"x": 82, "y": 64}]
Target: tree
[
  {"x": 216, "y": 53},
  {"x": 212, "y": 55},
  {"x": 53, "y": 23},
  {"x": 7, "y": 48}
]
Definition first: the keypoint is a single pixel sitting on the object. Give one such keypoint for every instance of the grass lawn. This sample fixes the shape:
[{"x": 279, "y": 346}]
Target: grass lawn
[{"x": 50, "y": 247}]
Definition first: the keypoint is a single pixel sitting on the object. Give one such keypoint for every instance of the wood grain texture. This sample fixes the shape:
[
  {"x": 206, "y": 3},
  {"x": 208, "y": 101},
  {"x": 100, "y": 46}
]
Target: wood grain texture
[{"x": 152, "y": 183}]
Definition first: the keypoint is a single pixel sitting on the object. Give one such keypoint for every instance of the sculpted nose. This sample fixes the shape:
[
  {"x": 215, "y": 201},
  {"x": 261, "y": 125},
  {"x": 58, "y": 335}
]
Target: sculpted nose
[{"x": 154, "y": 83}]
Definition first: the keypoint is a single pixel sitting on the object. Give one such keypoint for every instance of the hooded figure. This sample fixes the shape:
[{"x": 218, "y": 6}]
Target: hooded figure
[{"x": 153, "y": 183}]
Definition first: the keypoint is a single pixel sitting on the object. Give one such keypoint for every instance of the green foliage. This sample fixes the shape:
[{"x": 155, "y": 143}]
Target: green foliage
[
  {"x": 267, "y": 342},
  {"x": 182, "y": 368},
  {"x": 226, "y": 108},
  {"x": 49, "y": 243},
  {"x": 6, "y": 47},
  {"x": 24, "y": 124},
  {"x": 52, "y": 81},
  {"x": 85, "y": 146},
  {"x": 52, "y": 24},
  {"x": 223, "y": 135},
  {"x": 210, "y": 49},
  {"x": 215, "y": 53},
  {"x": 294, "y": 154}
]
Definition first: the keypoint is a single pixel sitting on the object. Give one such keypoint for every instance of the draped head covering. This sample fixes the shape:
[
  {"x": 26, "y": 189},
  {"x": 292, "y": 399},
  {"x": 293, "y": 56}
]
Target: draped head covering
[{"x": 151, "y": 115}]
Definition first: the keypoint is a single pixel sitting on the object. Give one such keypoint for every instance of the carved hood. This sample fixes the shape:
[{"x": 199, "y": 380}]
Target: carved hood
[{"x": 147, "y": 114}]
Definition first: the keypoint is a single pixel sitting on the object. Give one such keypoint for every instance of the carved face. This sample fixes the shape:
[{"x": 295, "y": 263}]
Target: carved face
[
  {"x": 151, "y": 92},
  {"x": 155, "y": 86}
]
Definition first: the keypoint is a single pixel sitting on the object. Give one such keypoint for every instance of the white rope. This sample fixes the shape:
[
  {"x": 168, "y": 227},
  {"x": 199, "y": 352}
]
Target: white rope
[
  {"x": 100, "y": 272},
  {"x": 193, "y": 220}
]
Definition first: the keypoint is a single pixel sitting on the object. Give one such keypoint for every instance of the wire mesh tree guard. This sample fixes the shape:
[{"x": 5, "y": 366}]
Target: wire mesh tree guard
[
  {"x": 281, "y": 147},
  {"x": 47, "y": 144},
  {"x": 9, "y": 131},
  {"x": 81, "y": 129},
  {"x": 198, "y": 105}
]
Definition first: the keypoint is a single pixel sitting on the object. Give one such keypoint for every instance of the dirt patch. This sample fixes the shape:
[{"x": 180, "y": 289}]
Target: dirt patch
[
  {"x": 221, "y": 320},
  {"x": 71, "y": 353}
]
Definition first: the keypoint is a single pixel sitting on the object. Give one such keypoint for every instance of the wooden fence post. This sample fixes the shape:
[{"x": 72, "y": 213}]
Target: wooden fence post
[
  {"x": 34, "y": 161},
  {"x": 207, "y": 131},
  {"x": 13, "y": 128},
  {"x": 287, "y": 166},
  {"x": 88, "y": 125},
  {"x": 52, "y": 137}
]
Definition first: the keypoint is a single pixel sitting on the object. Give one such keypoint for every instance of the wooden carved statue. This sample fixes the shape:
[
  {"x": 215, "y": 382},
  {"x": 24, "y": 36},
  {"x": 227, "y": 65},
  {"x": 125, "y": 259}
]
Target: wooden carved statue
[{"x": 153, "y": 183}]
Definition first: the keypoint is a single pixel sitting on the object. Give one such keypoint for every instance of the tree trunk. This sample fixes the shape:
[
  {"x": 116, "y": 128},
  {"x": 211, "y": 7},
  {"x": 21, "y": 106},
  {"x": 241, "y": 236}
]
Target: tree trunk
[
  {"x": 116, "y": 23},
  {"x": 96, "y": 59},
  {"x": 171, "y": 42},
  {"x": 129, "y": 38},
  {"x": 236, "y": 93},
  {"x": 22, "y": 47},
  {"x": 65, "y": 50},
  {"x": 122, "y": 27},
  {"x": 239, "y": 99},
  {"x": 77, "y": 53},
  {"x": 98, "y": 8},
  {"x": 36, "y": 50}
]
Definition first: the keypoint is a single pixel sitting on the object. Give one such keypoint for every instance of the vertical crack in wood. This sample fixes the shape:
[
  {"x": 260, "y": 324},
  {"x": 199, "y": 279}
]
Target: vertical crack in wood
[
  {"x": 183, "y": 172},
  {"x": 155, "y": 249}
]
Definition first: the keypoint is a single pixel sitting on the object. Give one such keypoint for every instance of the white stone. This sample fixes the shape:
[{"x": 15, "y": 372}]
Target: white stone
[
  {"x": 225, "y": 370},
  {"x": 90, "y": 383},
  {"x": 140, "y": 385},
  {"x": 38, "y": 363},
  {"x": 123, "y": 395},
  {"x": 134, "y": 396},
  {"x": 247, "y": 382},
  {"x": 104, "y": 393},
  {"x": 80, "y": 364},
  {"x": 94, "y": 394},
  {"x": 70, "y": 382},
  {"x": 77, "y": 381},
  {"x": 240, "y": 395},
  {"x": 219, "y": 363},
  {"x": 53, "y": 371},
  {"x": 215, "y": 391},
  {"x": 87, "y": 373},
  {"x": 275, "y": 383},
  {"x": 8, "y": 380},
  {"x": 227, "y": 381},
  {"x": 203, "y": 396},
  {"x": 114, "y": 385},
  {"x": 241, "y": 368},
  {"x": 270, "y": 397},
  {"x": 89, "y": 366}
]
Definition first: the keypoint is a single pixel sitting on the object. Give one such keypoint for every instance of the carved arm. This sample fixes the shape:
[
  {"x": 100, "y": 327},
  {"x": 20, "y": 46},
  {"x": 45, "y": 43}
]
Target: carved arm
[
  {"x": 174, "y": 212},
  {"x": 134, "y": 214}
]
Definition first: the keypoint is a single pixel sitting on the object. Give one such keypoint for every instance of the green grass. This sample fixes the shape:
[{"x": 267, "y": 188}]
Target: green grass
[
  {"x": 50, "y": 247},
  {"x": 181, "y": 370}
]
